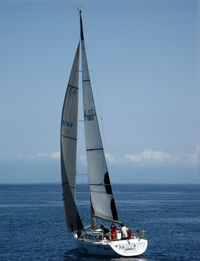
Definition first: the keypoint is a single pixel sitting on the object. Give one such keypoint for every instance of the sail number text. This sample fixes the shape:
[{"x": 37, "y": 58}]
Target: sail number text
[
  {"x": 68, "y": 124},
  {"x": 89, "y": 114}
]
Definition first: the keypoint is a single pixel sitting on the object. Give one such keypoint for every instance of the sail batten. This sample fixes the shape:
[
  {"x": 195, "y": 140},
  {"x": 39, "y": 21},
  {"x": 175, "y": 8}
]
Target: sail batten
[
  {"x": 102, "y": 200},
  {"x": 68, "y": 139}
]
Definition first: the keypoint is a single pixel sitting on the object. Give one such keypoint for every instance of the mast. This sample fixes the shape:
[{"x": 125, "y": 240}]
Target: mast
[
  {"x": 101, "y": 196},
  {"x": 68, "y": 147},
  {"x": 93, "y": 219}
]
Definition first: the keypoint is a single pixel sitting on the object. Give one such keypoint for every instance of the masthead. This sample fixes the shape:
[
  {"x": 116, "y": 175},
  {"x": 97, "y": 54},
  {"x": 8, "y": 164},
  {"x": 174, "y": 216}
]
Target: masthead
[{"x": 81, "y": 25}]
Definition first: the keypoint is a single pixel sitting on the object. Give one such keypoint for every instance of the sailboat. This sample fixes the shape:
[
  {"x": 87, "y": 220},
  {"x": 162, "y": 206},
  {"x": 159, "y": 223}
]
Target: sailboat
[{"x": 91, "y": 238}]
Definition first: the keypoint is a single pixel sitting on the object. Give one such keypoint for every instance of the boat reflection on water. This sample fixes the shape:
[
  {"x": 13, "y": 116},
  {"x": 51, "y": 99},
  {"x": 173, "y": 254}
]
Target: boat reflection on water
[{"x": 77, "y": 255}]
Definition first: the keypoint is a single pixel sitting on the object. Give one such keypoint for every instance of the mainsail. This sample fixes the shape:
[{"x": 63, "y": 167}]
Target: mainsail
[
  {"x": 101, "y": 196},
  {"x": 69, "y": 146}
]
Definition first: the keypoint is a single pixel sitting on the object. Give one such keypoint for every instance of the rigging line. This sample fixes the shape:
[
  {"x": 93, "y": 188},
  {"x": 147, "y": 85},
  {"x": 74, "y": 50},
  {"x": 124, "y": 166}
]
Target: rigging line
[
  {"x": 80, "y": 150},
  {"x": 90, "y": 119},
  {"x": 80, "y": 146},
  {"x": 97, "y": 94}
]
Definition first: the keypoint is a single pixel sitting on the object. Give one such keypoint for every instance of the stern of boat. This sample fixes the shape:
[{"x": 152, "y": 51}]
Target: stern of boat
[
  {"x": 94, "y": 243},
  {"x": 129, "y": 247}
]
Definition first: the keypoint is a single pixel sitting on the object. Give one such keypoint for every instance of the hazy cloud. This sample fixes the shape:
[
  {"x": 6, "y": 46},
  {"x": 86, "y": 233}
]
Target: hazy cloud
[
  {"x": 110, "y": 158},
  {"x": 151, "y": 157},
  {"x": 145, "y": 158},
  {"x": 55, "y": 155},
  {"x": 43, "y": 155},
  {"x": 82, "y": 159},
  {"x": 40, "y": 155},
  {"x": 5, "y": 155},
  {"x": 194, "y": 158}
]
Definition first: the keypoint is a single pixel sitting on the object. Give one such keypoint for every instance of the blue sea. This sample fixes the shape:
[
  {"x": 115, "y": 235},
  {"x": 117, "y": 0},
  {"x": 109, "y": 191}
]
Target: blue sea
[{"x": 32, "y": 225}]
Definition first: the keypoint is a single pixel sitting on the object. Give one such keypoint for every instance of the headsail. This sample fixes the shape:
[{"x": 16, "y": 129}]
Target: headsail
[
  {"x": 69, "y": 146},
  {"x": 102, "y": 200}
]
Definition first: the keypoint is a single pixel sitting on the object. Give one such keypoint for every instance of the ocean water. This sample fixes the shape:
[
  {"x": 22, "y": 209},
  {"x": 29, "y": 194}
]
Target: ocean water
[{"x": 32, "y": 225}]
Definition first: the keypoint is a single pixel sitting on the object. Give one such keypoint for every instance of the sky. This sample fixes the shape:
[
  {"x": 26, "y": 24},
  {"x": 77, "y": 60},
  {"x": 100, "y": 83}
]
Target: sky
[{"x": 144, "y": 60}]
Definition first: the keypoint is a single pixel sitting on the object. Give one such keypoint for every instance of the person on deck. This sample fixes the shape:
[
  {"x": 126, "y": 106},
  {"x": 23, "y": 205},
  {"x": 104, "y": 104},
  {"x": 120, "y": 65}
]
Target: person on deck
[
  {"x": 124, "y": 231},
  {"x": 113, "y": 231},
  {"x": 105, "y": 230}
]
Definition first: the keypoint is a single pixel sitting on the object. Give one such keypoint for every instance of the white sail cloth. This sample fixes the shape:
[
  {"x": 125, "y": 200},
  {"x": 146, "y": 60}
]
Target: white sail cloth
[
  {"x": 102, "y": 200},
  {"x": 69, "y": 147}
]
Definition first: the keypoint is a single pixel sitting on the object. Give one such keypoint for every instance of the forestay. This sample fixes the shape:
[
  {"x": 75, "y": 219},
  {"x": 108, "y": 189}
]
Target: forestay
[
  {"x": 102, "y": 200},
  {"x": 69, "y": 147}
]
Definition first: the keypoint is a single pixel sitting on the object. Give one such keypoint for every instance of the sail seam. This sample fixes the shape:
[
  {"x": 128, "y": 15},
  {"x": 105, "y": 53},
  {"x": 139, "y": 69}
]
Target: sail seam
[
  {"x": 69, "y": 137},
  {"x": 86, "y": 81},
  {"x": 94, "y": 149}
]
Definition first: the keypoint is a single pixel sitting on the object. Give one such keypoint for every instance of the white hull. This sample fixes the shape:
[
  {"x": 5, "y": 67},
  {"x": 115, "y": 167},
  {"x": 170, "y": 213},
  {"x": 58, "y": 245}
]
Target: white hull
[{"x": 123, "y": 247}]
